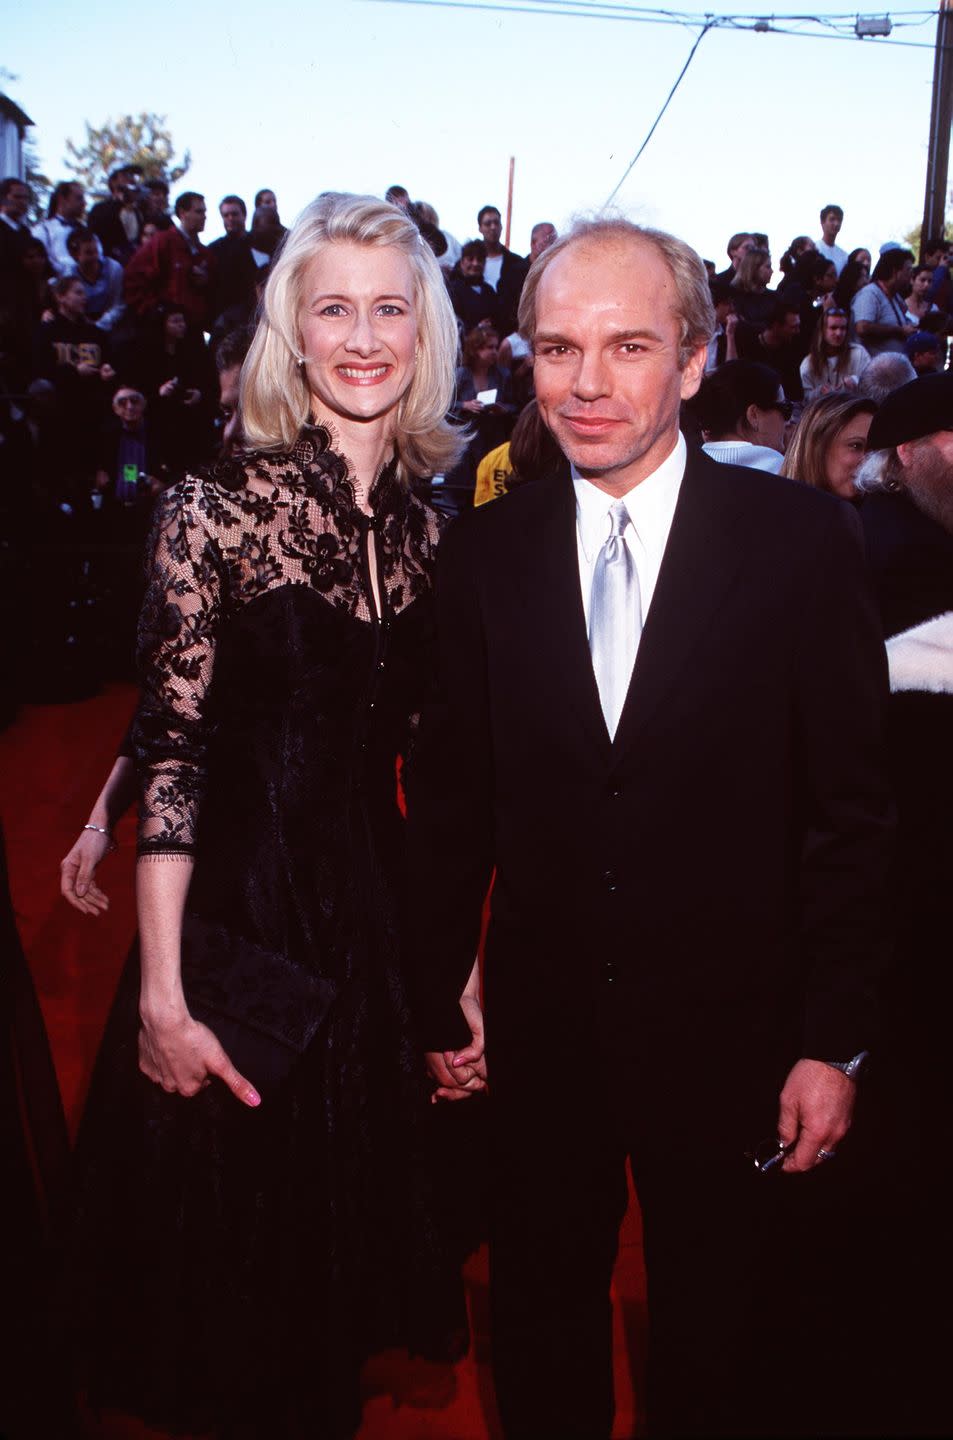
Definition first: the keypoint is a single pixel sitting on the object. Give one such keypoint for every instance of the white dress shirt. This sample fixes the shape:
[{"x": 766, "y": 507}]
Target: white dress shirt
[{"x": 651, "y": 506}]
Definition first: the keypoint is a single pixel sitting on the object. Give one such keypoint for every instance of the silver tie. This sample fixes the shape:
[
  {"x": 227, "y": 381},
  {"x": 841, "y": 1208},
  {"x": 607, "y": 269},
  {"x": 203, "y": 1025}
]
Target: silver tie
[{"x": 615, "y": 618}]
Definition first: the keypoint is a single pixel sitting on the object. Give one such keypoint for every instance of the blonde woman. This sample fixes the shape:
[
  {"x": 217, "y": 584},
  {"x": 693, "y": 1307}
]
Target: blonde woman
[
  {"x": 829, "y": 442},
  {"x": 254, "y": 1198}
]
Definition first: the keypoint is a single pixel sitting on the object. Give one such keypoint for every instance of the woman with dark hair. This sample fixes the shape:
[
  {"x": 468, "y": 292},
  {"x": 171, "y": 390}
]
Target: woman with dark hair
[
  {"x": 828, "y": 444},
  {"x": 799, "y": 246},
  {"x": 918, "y": 302},
  {"x": 832, "y": 363},
  {"x": 811, "y": 283},
  {"x": 741, "y": 412},
  {"x": 258, "y": 1211},
  {"x": 753, "y": 300},
  {"x": 484, "y": 403},
  {"x": 852, "y": 278}
]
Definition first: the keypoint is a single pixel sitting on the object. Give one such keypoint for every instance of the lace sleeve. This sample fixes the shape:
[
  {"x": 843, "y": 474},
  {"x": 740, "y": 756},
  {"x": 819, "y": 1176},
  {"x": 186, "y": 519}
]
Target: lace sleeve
[{"x": 176, "y": 653}]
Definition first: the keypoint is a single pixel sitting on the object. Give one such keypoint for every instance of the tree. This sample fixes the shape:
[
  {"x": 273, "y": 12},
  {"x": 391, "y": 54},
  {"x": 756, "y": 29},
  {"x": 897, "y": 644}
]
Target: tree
[
  {"x": 142, "y": 140},
  {"x": 912, "y": 237},
  {"x": 39, "y": 184}
]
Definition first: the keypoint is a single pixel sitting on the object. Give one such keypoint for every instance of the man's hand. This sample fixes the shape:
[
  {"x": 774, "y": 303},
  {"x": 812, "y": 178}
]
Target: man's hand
[{"x": 817, "y": 1105}]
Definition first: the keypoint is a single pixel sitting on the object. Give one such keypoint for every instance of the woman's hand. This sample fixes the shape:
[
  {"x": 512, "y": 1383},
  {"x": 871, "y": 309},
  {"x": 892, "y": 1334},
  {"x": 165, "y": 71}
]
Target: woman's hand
[
  {"x": 475, "y": 407},
  {"x": 169, "y": 388},
  {"x": 78, "y": 868},
  {"x": 461, "y": 1073},
  {"x": 182, "y": 1055}
]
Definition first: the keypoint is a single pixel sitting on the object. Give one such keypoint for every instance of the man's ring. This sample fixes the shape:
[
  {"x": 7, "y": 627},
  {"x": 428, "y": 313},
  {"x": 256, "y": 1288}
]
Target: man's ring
[{"x": 826, "y": 1154}]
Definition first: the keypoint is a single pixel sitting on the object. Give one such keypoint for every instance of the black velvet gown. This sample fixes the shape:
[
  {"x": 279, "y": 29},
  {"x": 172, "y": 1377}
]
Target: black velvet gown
[{"x": 236, "y": 1265}]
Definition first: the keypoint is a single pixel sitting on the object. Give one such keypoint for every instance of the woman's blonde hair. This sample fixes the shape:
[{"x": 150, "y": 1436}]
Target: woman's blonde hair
[
  {"x": 275, "y": 398},
  {"x": 747, "y": 276}
]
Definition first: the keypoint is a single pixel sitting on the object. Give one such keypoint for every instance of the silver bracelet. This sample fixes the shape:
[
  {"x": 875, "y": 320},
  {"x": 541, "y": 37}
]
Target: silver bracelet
[{"x": 100, "y": 831}]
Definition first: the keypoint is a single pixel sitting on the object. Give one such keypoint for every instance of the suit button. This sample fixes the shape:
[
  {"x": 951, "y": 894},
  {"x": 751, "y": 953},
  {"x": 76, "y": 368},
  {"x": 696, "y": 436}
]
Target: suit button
[
  {"x": 615, "y": 792},
  {"x": 611, "y": 880}
]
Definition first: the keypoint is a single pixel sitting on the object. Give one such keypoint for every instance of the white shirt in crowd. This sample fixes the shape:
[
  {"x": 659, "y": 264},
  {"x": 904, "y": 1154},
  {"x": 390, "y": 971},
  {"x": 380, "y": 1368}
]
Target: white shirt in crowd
[
  {"x": 832, "y": 252},
  {"x": 492, "y": 268},
  {"x": 651, "y": 507},
  {"x": 742, "y": 452}
]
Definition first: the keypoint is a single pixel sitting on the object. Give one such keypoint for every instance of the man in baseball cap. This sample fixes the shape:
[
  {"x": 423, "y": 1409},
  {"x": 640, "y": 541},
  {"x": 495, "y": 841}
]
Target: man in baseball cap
[{"x": 907, "y": 478}]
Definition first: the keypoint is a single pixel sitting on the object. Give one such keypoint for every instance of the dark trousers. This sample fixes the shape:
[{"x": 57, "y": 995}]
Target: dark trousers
[{"x": 750, "y": 1277}]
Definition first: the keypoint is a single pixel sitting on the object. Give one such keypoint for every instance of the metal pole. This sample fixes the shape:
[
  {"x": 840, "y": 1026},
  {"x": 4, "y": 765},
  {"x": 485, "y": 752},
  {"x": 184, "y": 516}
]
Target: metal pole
[
  {"x": 509, "y": 203},
  {"x": 941, "y": 122}
]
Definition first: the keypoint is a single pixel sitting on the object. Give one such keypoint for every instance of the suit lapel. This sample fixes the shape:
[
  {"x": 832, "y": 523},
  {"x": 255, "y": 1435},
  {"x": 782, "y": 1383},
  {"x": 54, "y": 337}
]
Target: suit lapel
[
  {"x": 702, "y": 556},
  {"x": 554, "y": 584}
]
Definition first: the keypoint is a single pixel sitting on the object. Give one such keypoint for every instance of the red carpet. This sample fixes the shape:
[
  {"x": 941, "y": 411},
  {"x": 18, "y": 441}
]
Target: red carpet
[{"x": 53, "y": 761}]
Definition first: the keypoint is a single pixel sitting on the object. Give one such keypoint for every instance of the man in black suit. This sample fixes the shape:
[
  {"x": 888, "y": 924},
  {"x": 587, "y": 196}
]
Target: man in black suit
[{"x": 660, "y": 720}]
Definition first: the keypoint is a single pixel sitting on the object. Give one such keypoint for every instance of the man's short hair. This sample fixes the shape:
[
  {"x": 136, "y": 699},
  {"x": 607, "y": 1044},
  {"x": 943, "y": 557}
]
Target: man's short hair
[
  {"x": 187, "y": 199},
  {"x": 7, "y": 185},
  {"x": 473, "y": 248},
  {"x": 60, "y": 191},
  {"x": 738, "y": 239},
  {"x": 930, "y": 247},
  {"x": 885, "y": 374},
  {"x": 234, "y": 200},
  {"x": 693, "y": 306},
  {"x": 487, "y": 210},
  {"x": 233, "y": 347},
  {"x": 782, "y": 308},
  {"x": 831, "y": 210},
  {"x": 157, "y": 185},
  {"x": 891, "y": 263}
]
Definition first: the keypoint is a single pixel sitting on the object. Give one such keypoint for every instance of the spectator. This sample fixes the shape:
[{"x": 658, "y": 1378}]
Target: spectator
[
  {"x": 878, "y": 312},
  {"x": 29, "y": 300},
  {"x": 541, "y": 237},
  {"x": 229, "y": 359},
  {"x": 753, "y": 301},
  {"x": 155, "y": 204},
  {"x": 397, "y": 195},
  {"x": 172, "y": 367},
  {"x": 529, "y": 454},
  {"x": 723, "y": 344},
  {"x": 934, "y": 255},
  {"x": 489, "y": 419},
  {"x": 14, "y": 234},
  {"x": 473, "y": 300},
  {"x": 832, "y": 218},
  {"x": 828, "y": 445},
  {"x": 925, "y": 352},
  {"x": 738, "y": 247},
  {"x": 71, "y": 353},
  {"x": 799, "y": 246},
  {"x": 233, "y": 213},
  {"x": 854, "y": 276},
  {"x": 101, "y": 277},
  {"x": 117, "y": 222},
  {"x": 66, "y": 210},
  {"x": 174, "y": 268},
  {"x": 832, "y": 363},
  {"x": 504, "y": 270},
  {"x": 777, "y": 344},
  {"x": 128, "y": 469},
  {"x": 918, "y": 303},
  {"x": 742, "y": 412},
  {"x": 885, "y": 374},
  {"x": 265, "y": 200},
  {"x": 449, "y": 257}
]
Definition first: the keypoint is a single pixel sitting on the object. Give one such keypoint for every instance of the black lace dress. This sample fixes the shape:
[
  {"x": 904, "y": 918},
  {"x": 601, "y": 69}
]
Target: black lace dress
[{"x": 237, "y": 1265}]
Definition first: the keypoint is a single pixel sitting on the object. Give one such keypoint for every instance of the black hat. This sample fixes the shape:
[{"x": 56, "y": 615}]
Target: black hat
[{"x": 921, "y": 407}]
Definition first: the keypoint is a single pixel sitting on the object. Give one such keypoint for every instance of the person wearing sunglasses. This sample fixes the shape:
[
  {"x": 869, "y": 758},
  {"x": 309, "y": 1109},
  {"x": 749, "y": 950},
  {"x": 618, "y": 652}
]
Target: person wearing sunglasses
[
  {"x": 832, "y": 363},
  {"x": 742, "y": 412}
]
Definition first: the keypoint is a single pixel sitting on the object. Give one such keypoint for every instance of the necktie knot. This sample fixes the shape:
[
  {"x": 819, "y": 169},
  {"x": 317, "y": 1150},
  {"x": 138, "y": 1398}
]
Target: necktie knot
[{"x": 618, "y": 519}]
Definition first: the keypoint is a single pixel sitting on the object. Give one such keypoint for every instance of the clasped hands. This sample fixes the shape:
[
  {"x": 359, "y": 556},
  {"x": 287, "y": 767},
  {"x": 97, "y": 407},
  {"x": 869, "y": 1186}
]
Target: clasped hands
[{"x": 458, "y": 1074}]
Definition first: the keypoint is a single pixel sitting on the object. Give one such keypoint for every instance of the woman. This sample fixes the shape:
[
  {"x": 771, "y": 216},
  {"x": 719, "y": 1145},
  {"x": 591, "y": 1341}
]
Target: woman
[
  {"x": 742, "y": 412},
  {"x": 853, "y": 277},
  {"x": 832, "y": 363},
  {"x": 799, "y": 246},
  {"x": 828, "y": 444},
  {"x": 918, "y": 303},
  {"x": 753, "y": 301},
  {"x": 256, "y": 1202},
  {"x": 488, "y": 420}
]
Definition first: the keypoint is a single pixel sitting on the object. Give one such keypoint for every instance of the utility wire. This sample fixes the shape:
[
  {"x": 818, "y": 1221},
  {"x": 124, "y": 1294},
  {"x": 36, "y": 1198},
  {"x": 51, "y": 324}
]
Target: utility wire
[{"x": 709, "y": 24}]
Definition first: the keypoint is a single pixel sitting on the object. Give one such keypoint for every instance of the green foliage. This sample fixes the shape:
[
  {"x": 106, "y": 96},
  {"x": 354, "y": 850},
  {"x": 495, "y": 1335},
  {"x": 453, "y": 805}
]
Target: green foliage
[
  {"x": 912, "y": 237},
  {"x": 141, "y": 140}
]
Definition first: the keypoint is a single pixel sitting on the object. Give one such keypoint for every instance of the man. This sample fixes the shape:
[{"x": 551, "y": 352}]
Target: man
[
  {"x": 174, "y": 268},
  {"x": 155, "y": 204},
  {"x": 14, "y": 234},
  {"x": 117, "y": 222},
  {"x": 234, "y": 213},
  {"x": 907, "y": 477},
  {"x": 66, "y": 210},
  {"x": 832, "y": 218},
  {"x": 777, "y": 345},
  {"x": 738, "y": 246},
  {"x": 542, "y": 235},
  {"x": 504, "y": 270},
  {"x": 101, "y": 277},
  {"x": 684, "y": 916},
  {"x": 878, "y": 314},
  {"x": 885, "y": 374}
]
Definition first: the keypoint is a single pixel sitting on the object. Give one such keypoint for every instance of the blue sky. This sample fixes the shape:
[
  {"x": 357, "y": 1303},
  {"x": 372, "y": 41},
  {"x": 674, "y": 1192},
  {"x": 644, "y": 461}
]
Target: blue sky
[{"x": 355, "y": 95}]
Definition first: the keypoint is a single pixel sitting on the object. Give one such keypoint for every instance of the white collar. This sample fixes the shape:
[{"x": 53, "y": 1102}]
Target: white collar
[{"x": 651, "y": 504}]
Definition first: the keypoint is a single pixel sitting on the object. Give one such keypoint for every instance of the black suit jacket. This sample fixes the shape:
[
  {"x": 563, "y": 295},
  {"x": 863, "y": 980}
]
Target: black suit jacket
[{"x": 720, "y": 865}]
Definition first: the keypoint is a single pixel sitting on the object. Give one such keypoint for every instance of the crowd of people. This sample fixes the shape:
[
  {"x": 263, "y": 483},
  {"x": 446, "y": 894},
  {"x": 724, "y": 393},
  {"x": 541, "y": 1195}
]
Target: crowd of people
[{"x": 647, "y": 692}]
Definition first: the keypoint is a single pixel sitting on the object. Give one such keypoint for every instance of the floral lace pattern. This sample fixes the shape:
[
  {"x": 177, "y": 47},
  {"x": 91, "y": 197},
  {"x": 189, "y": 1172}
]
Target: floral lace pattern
[{"x": 223, "y": 538}]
